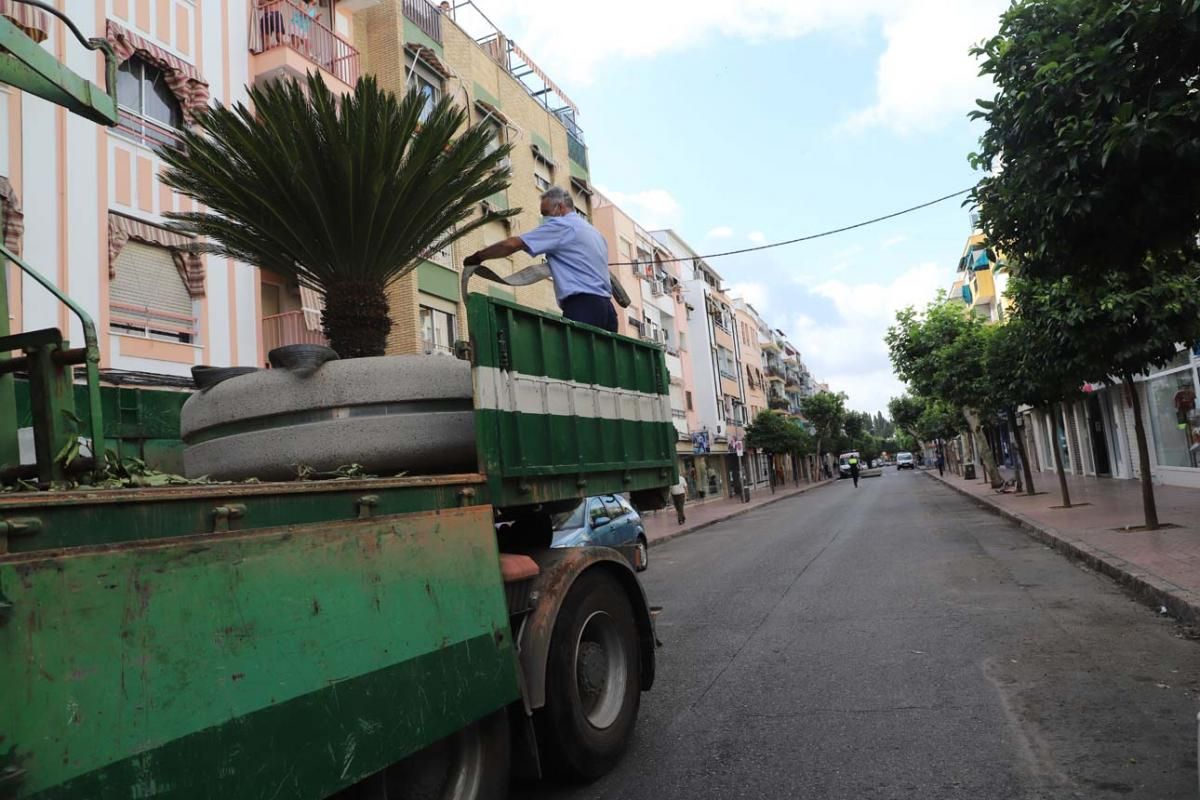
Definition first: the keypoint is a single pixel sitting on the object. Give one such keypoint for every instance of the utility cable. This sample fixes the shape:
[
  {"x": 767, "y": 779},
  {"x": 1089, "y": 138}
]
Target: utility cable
[{"x": 798, "y": 239}]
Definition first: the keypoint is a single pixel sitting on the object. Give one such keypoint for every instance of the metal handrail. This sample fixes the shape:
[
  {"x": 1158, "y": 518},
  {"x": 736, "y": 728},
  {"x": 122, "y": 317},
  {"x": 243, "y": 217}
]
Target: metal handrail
[{"x": 91, "y": 344}]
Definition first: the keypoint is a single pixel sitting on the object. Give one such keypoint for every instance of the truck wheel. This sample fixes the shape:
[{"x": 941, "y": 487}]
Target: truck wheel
[
  {"x": 471, "y": 764},
  {"x": 593, "y": 684}
]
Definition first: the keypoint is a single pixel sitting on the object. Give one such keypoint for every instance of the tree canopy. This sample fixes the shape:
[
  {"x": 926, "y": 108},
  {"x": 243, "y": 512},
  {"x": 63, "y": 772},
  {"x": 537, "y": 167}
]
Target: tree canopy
[
  {"x": 825, "y": 411},
  {"x": 1091, "y": 141}
]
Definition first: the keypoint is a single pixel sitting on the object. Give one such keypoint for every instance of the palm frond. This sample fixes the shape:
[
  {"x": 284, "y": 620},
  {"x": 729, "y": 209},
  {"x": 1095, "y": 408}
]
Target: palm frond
[{"x": 328, "y": 190}]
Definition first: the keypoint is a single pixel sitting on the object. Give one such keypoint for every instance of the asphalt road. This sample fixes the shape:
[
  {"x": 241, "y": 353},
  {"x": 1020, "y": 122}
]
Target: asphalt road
[{"x": 895, "y": 641}]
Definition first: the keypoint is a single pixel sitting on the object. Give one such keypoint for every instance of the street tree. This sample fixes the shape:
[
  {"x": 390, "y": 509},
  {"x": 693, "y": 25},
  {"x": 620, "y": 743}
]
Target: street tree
[
  {"x": 1091, "y": 145},
  {"x": 905, "y": 411},
  {"x": 340, "y": 193},
  {"x": 940, "y": 354},
  {"x": 825, "y": 411},
  {"x": 1094, "y": 179},
  {"x": 1111, "y": 327}
]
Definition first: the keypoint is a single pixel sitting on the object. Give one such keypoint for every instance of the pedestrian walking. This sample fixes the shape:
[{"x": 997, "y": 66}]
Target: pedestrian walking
[
  {"x": 576, "y": 254},
  {"x": 941, "y": 462},
  {"x": 853, "y": 462},
  {"x": 678, "y": 496}
]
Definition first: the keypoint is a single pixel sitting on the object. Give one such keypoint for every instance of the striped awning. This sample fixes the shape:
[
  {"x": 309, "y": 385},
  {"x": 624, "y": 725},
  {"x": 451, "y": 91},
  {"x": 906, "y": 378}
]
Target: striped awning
[
  {"x": 182, "y": 78},
  {"x": 428, "y": 57},
  {"x": 122, "y": 228},
  {"x": 34, "y": 22}
]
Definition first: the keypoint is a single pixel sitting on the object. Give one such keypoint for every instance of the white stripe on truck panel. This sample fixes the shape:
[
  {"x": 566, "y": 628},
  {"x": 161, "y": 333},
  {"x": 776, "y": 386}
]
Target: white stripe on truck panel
[{"x": 498, "y": 390}]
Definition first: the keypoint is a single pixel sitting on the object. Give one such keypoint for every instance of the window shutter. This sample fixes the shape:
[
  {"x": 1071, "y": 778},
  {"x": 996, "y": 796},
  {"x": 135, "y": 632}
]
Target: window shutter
[{"x": 146, "y": 277}]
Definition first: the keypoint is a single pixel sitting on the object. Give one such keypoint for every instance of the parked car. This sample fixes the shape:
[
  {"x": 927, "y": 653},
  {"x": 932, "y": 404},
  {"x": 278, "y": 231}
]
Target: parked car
[
  {"x": 905, "y": 461},
  {"x": 607, "y": 520}
]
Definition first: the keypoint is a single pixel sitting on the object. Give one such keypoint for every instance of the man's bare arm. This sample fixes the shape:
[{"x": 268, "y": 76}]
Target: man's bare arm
[{"x": 501, "y": 249}]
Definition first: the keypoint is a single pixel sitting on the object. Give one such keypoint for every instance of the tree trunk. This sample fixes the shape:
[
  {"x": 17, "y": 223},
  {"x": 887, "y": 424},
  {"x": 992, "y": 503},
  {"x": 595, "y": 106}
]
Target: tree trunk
[
  {"x": 1148, "y": 504},
  {"x": 1058, "y": 462},
  {"x": 985, "y": 455},
  {"x": 1021, "y": 453},
  {"x": 356, "y": 320}
]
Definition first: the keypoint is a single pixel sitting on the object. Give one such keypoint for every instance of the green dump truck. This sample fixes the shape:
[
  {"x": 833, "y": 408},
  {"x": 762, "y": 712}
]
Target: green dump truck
[{"x": 363, "y": 637}]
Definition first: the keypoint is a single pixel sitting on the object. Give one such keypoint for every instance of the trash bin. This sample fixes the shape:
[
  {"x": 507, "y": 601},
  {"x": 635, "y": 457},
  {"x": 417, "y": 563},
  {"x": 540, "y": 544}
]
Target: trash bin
[
  {"x": 746, "y": 494},
  {"x": 968, "y": 472}
]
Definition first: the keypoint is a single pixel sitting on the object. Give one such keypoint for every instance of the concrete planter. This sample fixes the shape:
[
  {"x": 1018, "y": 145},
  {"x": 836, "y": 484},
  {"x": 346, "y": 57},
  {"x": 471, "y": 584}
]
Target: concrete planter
[{"x": 390, "y": 414}]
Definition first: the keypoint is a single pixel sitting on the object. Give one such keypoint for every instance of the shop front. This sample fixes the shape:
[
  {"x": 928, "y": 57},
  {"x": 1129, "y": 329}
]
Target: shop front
[{"x": 1174, "y": 419}]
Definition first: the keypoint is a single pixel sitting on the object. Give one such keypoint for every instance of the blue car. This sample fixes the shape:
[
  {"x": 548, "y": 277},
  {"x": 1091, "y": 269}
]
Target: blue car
[{"x": 607, "y": 520}]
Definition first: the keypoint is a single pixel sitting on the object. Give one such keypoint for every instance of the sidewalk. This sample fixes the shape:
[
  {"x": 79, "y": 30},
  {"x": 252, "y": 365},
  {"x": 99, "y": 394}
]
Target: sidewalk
[
  {"x": 1161, "y": 567},
  {"x": 661, "y": 525}
]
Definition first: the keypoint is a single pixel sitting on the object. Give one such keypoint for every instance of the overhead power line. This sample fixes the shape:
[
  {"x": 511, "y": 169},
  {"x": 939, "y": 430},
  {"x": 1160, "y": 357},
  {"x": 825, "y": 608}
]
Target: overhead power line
[{"x": 798, "y": 239}]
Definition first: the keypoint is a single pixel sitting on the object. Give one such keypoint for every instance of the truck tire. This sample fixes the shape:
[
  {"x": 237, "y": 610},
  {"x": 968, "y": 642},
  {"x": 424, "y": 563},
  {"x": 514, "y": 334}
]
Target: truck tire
[
  {"x": 471, "y": 764},
  {"x": 593, "y": 685}
]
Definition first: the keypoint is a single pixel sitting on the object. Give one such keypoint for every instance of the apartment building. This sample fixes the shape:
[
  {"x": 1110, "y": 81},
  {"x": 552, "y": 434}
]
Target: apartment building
[
  {"x": 657, "y": 311},
  {"x": 752, "y": 333},
  {"x": 714, "y": 466},
  {"x": 84, "y": 205},
  {"x": 455, "y": 51}
]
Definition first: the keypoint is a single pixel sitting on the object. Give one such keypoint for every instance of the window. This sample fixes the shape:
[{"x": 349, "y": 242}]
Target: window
[
  {"x": 596, "y": 511},
  {"x": 726, "y": 364},
  {"x": 1174, "y": 418},
  {"x": 151, "y": 110},
  {"x": 427, "y": 83},
  {"x": 148, "y": 297},
  {"x": 438, "y": 330},
  {"x": 543, "y": 175},
  {"x": 497, "y": 134},
  {"x": 613, "y": 506},
  {"x": 689, "y": 400}
]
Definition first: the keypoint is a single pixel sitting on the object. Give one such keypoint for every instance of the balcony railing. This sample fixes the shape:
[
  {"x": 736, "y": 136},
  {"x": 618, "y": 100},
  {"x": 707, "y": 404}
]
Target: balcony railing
[
  {"x": 284, "y": 24},
  {"x": 288, "y": 328},
  {"x": 426, "y": 17}
]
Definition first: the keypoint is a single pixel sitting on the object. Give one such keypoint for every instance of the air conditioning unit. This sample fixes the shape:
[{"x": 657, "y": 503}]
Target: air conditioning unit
[{"x": 656, "y": 288}]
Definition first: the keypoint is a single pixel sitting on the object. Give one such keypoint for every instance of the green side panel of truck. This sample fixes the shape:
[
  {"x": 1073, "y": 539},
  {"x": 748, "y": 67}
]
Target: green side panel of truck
[
  {"x": 277, "y": 663},
  {"x": 139, "y": 422},
  {"x": 565, "y": 410}
]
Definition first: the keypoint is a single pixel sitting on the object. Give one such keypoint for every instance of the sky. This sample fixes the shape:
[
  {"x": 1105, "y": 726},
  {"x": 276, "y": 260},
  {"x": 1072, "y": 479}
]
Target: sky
[{"x": 748, "y": 121}]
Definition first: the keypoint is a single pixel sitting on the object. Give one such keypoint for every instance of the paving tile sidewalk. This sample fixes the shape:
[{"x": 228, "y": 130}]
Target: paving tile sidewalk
[
  {"x": 661, "y": 526},
  {"x": 1161, "y": 567}
]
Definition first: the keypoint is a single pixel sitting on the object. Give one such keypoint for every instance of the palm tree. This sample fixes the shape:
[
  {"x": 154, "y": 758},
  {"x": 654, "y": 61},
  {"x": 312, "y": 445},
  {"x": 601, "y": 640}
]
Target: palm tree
[{"x": 343, "y": 194}]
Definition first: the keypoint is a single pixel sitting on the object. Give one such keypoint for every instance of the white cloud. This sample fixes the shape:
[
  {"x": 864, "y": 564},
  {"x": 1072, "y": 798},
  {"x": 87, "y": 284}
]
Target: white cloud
[
  {"x": 849, "y": 352},
  {"x": 651, "y": 208},
  {"x": 755, "y": 293},
  {"x": 757, "y": 237},
  {"x": 924, "y": 73},
  {"x": 719, "y": 232},
  {"x": 892, "y": 241}
]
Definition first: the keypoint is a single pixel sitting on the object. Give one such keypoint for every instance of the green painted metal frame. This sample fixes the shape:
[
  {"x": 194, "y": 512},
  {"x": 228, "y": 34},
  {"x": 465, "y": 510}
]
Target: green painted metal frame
[
  {"x": 27, "y": 66},
  {"x": 50, "y": 411},
  {"x": 116, "y": 517},
  {"x": 534, "y": 458}
]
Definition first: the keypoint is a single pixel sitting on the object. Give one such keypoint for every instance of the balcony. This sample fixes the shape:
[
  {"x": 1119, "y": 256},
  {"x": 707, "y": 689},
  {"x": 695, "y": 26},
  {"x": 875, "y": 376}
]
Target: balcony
[
  {"x": 286, "y": 43},
  {"x": 288, "y": 328},
  {"x": 774, "y": 373},
  {"x": 426, "y": 17}
]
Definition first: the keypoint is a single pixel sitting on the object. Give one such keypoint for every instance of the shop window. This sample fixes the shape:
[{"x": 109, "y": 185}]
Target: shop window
[
  {"x": 148, "y": 297},
  {"x": 1174, "y": 419}
]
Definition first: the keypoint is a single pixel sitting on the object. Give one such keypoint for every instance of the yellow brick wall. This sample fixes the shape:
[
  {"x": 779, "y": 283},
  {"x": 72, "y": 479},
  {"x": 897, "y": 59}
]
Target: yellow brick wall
[{"x": 379, "y": 31}]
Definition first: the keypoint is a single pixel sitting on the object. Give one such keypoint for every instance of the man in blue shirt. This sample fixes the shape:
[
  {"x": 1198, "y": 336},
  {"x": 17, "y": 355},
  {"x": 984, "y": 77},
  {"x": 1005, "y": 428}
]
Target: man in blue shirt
[{"x": 577, "y": 256}]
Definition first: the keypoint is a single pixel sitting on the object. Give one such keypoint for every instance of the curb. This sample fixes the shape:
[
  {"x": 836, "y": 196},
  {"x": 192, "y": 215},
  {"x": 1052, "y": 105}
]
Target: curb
[
  {"x": 737, "y": 512},
  {"x": 1150, "y": 589}
]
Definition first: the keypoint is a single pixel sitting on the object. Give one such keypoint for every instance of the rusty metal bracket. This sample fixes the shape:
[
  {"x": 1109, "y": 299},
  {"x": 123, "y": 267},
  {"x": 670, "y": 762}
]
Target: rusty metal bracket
[
  {"x": 223, "y": 515},
  {"x": 17, "y": 526},
  {"x": 465, "y": 496},
  {"x": 366, "y": 505}
]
